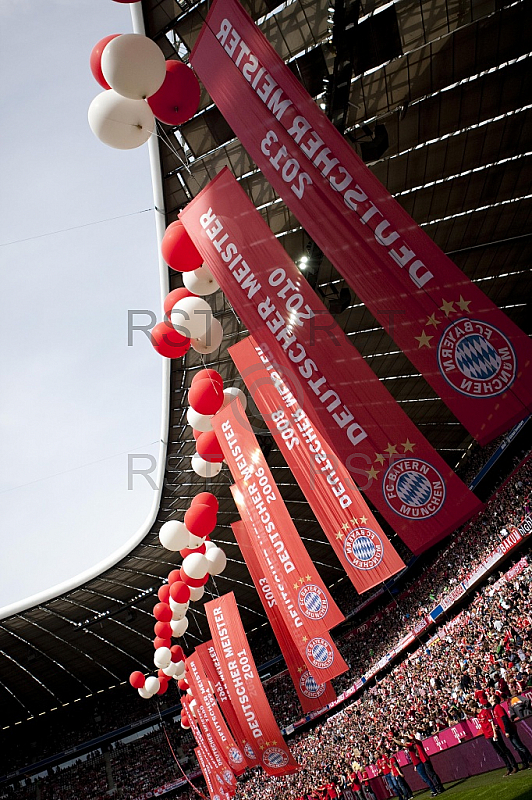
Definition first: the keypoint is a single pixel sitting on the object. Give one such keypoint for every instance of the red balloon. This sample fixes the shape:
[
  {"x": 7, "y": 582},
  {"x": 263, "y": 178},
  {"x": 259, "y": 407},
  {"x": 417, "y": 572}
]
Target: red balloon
[
  {"x": 168, "y": 342},
  {"x": 209, "y": 449},
  {"x": 174, "y": 297},
  {"x": 179, "y": 591},
  {"x": 164, "y": 593},
  {"x": 183, "y": 685},
  {"x": 158, "y": 642},
  {"x": 96, "y": 59},
  {"x": 179, "y": 97},
  {"x": 178, "y": 249},
  {"x": 205, "y": 499},
  {"x": 200, "y": 519},
  {"x": 173, "y": 576},
  {"x": 188, "y": 551},
  {"x": 161, "y": 676},
  {"x": 137, "y": 680},
  {"x": 178, "y": 654},
  {"x": 162, "y": 612},
  {"x": 205, "y": 396},
  {"x": 163, "y": 630},
  {"x": 184, "y": 722},
  {"x": 194, "y": 582},
  {"x": 212, "y": 374},
  {"x": 163, "y": 687},
  {"x": 196, "y": 434}
]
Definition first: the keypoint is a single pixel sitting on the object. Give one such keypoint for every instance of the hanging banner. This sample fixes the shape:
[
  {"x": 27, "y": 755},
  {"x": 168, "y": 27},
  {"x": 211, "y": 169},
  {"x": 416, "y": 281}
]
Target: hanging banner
[
  {"x": 312, "y": 695},
  {"x": 214, "y": 783},
  {"x": 244, "y": 686},
  {"x": 224, "y": 740},
  {"x": 283, "y": 545},
  {"x": 471, "y": 353},
  {"x": 214, "y": 671},
  {"x": 356, "y": 537},
  {"x": 389, "y": 459},
  {"x": 197, "y": 732}
]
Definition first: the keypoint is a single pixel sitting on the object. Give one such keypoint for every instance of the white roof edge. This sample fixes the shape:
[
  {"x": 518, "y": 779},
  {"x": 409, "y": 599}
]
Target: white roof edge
[{"x": 122, "y": 552}]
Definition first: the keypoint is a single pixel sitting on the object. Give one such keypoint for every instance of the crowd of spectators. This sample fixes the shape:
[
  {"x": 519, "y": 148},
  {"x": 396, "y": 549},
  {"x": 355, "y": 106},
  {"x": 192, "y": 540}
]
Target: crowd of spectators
[{"x": 486, "y": 649}]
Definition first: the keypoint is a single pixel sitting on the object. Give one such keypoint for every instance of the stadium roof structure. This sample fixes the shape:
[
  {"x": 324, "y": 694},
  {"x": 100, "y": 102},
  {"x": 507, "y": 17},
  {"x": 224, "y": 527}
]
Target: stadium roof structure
[{"x": 438, "y": 104}]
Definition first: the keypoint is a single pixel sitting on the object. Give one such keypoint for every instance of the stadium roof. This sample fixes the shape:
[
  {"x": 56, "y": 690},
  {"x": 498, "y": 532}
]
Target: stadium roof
[{"x": 448, "y": 81}]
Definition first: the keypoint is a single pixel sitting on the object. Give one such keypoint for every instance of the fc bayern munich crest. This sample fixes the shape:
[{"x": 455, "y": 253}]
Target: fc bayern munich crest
[
  {"x": 309, "y": 687},
  {"x": 476, "y": 359},
  {"x": 363, "y": 548},
  {"x": 275, "y": 758},
  {"x": 413, "y": 488},
  {"x": 248, "y": 750},
  {"x": 235, "y": 756},
  {"x": 312, "y": 601},
  {"x": 320, "y": 653},
  {"x": 228, "y": 776}
]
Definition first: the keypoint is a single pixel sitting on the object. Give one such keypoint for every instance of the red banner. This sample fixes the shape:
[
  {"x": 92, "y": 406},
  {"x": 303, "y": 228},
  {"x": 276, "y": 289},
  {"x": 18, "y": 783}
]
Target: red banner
[
  {"x": 390, "y": 460},
  {"x": 197, "y": 732},
  {"x": 244, "y": 686},
  {"x": 356, "y": 537},
  {"x": 213, "y": 780},
  {"x": 312, "y": 695},
  {"x": 199, "y": 684},
  {"x": 470, "y": 352},
  {"x": 282, "y": 545},
  {"x": 214, "y": 671}
]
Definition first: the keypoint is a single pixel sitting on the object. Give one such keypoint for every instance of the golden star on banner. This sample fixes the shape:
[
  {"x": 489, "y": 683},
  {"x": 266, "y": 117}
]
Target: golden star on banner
[
  {"x": 391, "y": 449},
  {"x": 380, "y": 458},
  {"x": 340, "y": 535},
  {"x": 447, "y": 307},
  {"x": 408, "y": 446},
  {"x": 433, "y": 321},
  {"x": 372, "y": 473},
  {"x": 354, "y": 521},
  {"x": 296, "y": 585},
  {"x": 305, "y": 639},
  {"x": 363, "y": 520},
  {"x": 463, "y": 304},
  {"x": 274, "y": 743},
  {"x": 300, "y": 669},
  {"x": 345, "y": 526},
  {"x": 308, "y": 577},
  {"x": 424, "y": 340},
  {"x": 301, "y": 581},
  {"x": 261, "y": 746}
]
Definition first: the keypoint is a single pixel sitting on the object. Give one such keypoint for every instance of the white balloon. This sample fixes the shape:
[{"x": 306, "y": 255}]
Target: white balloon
[
  {"x": 196, "y": 593},
  {"x": 144, "y": 693},
  {"x": 152, "y": 685},
  {"x": 217, "y": 561},
  {"x": 212, "y": 339},
  {"x": 189, "y": 691},
  {"x": 179, "y": 627},
  {"x": 204, "y": 468},
  {"x": 179, "y": 613},
  {"x": 191, "y": 317},
  {"x": 232, "y": 393},
  {"x": 194, "y": 541},
  {"x": 162, "y": 657},
  {"x": 119, "y": 122},
  {"x": 180, "y": 670},
  {"x": 209, "y": 546},
  {"x": 200, "y": 422},
  {"x": 200, "y": 281},
  {"x": 174, "y": 535},
  {"x": 170, "y": 670},
  {"x": 195, "y": 566},
  {"x": 185, "y": 727},
  {"x": 134, "y": 66},
  {"x": 192, "y": 706},
  {"x": 178, "y": 606}
]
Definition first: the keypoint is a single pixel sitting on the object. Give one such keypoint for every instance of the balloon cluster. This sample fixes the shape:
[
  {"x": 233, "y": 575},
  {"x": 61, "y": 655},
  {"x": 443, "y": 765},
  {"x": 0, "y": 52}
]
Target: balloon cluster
[{"x": 139, "y": 86}]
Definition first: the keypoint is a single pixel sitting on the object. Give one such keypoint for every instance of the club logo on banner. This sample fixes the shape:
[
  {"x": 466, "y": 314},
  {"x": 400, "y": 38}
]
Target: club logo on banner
[
  {"x": 320, "y": 653},
  {"x": 248, "y": 750},
  {"x": 476, "y": 358},
  {"x": 235, "y": 756},
  {"x": 312, "y": 602},
  {"x": 275, "y": 758},
  {"x": 309, "y": 687},
  {"x": 413, "y": 488},
  {"x": 363, "y": 548}
]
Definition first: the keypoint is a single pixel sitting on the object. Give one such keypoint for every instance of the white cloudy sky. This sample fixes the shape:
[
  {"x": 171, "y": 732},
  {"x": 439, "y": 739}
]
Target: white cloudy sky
[{"x": 73, "y": 393}]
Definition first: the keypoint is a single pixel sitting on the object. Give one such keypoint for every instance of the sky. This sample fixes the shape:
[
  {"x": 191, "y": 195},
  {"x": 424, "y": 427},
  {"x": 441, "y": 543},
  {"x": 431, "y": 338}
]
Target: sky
[{"x": 74, "y": 399}]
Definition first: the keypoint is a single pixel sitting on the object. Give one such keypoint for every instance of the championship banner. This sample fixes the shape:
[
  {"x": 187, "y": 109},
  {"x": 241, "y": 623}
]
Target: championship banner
[
  {"x": 214, "y": 783},
  {"x": 281, "y": 546},
  {"x": 390, "y": 460},
  {"x": 214, "y": 671},
  {"x": 244, "y": 686},
  {"x": 224, "y": 739},
  {"x": 198, "y": 734},
  {"x": 471, "y": 353},
  {"x": 356, "y": 537},
  {"x": 312, "y": 695}
]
